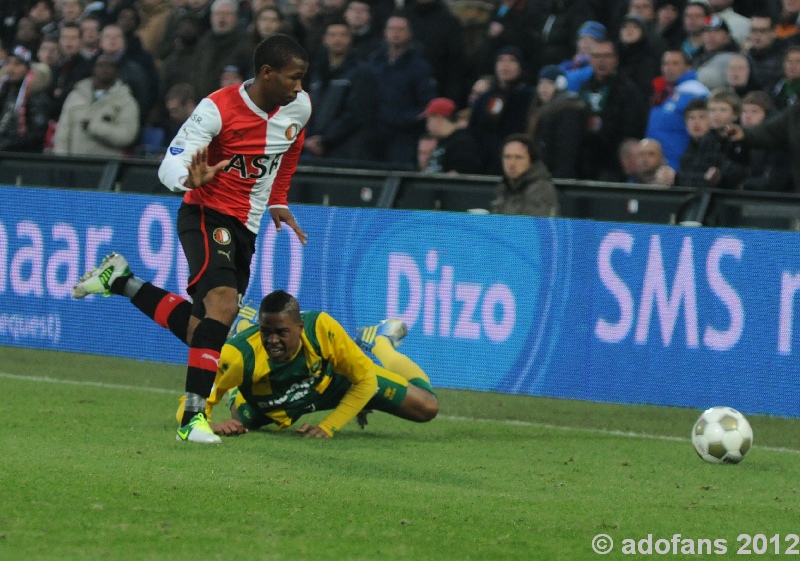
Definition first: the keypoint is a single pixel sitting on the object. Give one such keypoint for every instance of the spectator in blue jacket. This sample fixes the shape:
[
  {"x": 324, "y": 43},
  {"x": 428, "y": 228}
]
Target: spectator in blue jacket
[
  {"x": 673, "y": 90},
  {"x": 405, "y": 86}
]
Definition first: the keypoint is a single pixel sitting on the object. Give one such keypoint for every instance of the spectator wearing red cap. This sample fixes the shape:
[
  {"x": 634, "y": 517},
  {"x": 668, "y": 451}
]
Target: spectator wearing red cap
[
  {"x": 23, "y": 112},
  {"x": 456, "y": 150}
]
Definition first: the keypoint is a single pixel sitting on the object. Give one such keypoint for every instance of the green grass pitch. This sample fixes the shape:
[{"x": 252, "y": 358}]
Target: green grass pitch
[{"x": 90, "y": 470}]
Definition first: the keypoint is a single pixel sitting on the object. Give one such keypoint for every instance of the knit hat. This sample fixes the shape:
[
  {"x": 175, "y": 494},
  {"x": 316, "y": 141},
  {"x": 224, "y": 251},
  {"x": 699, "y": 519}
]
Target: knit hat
[
  {"x": 593, "y": 29},
  {"x": 516, "y": 52},
  {"x": 634, "y": 18},
  {"x": 554, "y": 74},
  {"x": 677, "y": 4}
]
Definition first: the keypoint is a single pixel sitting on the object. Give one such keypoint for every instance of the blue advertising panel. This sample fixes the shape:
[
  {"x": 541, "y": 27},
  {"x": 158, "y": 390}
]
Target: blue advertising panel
[{"x": 623, "y": 313}]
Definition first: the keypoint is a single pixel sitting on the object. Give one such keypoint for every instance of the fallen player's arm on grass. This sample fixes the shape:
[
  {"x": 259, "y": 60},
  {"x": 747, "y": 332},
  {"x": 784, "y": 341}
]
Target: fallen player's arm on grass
[{"x": 350, "y": 361}]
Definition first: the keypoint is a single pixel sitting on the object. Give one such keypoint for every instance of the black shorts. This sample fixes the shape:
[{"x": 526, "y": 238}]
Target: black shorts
[{"x": 218, "y": 249}]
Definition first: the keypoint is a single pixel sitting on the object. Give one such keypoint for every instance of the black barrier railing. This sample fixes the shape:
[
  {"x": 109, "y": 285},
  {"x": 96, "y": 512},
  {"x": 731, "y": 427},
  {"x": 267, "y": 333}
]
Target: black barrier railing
[{"x": 324, "y": 185}]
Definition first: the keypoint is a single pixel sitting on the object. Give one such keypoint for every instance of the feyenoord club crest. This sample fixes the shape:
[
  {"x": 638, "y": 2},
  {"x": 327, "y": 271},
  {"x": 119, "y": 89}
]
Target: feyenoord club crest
[
  {"x": 291, "y": 131},
  {"x": 222, "y": 236}
]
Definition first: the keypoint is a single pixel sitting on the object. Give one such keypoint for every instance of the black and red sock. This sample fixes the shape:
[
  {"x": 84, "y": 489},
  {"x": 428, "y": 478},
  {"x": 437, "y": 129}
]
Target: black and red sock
[
  {"x": 207, "y": 341},
  {"x": 165, "y": 308}
]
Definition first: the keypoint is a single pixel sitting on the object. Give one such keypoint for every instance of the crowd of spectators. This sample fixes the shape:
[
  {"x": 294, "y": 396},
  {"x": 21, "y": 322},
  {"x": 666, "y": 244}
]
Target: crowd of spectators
[{"x": 638, "y": 91}]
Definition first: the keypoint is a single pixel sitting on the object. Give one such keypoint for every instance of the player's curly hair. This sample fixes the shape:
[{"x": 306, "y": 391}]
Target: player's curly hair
[
  {"x": 277, "y": 51},
  {"x": 280, "y": 302}
]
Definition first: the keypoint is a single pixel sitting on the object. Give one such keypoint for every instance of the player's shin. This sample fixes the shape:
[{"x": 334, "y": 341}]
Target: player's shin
[{"x": 209, "y": 337}]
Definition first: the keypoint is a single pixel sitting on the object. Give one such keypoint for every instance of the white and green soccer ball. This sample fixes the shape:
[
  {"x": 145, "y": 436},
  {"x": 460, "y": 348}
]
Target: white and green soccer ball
[{"x": 722, "y": 435}]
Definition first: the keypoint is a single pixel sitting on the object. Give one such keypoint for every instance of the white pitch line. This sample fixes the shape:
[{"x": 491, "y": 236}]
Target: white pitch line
[
  {"x": 49, "y": 380},
  {"x": 511, "y": 422}
]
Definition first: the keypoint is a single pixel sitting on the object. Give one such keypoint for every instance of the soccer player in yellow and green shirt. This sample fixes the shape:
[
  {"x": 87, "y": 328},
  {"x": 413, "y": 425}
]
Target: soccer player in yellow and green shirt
[{"x": 292, "y": 363}]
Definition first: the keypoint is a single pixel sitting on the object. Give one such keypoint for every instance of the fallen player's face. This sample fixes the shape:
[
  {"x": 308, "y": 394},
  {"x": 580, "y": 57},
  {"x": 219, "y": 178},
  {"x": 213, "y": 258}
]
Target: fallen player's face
[{"x": 280, "y": 335}]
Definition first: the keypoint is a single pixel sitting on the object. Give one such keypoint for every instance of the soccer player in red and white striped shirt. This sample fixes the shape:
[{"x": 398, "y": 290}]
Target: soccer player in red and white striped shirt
[{"x": 234, "y": 158}]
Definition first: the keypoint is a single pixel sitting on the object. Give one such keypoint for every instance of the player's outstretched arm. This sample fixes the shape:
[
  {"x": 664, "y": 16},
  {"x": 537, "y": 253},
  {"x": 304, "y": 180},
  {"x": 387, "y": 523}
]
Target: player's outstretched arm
[{"x": 281, "y": 214}]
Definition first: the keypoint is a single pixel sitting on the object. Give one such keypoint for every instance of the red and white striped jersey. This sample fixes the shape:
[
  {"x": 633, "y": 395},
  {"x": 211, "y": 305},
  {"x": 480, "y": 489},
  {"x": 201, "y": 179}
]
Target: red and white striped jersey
[{"x": 263, "y": 150}]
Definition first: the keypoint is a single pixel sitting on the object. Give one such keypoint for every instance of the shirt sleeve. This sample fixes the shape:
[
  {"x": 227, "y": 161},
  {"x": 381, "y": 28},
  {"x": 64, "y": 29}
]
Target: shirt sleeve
[
  {"x": 349, "y": 360},
  {"x": 279, "y": 197},
  {"x": 198, "y": 131}
]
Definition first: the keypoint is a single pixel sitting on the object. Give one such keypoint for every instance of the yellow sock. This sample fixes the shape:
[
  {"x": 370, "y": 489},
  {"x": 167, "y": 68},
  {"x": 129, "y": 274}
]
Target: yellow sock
[{"x": 397, "y": 362}]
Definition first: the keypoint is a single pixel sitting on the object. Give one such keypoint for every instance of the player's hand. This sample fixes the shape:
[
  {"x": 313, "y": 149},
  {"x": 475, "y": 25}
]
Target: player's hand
[
  {"x": 713, "y": 175},
  {"x": 733, "y": 132},
  {"x": 230, "y": 427},
  {"x": 284, "y": 215},
  {"x": 314, "y": 145},
  {"x": 199, "y": 172},
  {"x": 312, "y": 431}
]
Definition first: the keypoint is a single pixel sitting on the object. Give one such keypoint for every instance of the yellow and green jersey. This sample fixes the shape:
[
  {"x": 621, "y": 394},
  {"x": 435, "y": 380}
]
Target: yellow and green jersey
[{"x": 329, "y": 371}]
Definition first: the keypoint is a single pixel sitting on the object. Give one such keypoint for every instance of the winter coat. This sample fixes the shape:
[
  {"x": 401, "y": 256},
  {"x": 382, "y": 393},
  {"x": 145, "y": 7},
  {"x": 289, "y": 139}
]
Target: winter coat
[
  {"x": 617, "y": 110},
  {"x": 439, "y": 32},
  {"x": 345, "y": 102},
  {"x": 560, "y": 126},
  {"x": 640, "y": 63},
  {"x": 14, "y": 137},
  {"x": 455, "y": 153},
  {"x": 154, "y": 18},
  {"x": 712, "y": 150},
  {"x": 496, "y": 114},
  {"x": 712, "y": 67},
  {"x": 780, "y": 131},
  {"x": 112, "y": 121},
  {"x": 531, "y": 194}
]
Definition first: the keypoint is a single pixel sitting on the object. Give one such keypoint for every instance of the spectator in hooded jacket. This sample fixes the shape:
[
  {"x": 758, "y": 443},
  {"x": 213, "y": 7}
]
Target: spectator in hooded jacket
[
  {"x": 637, "y": 58},
  {"x": 711, "y": 61},
  {"x": 502, "y": 110},
  {"x": 527, "y": 187}
]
